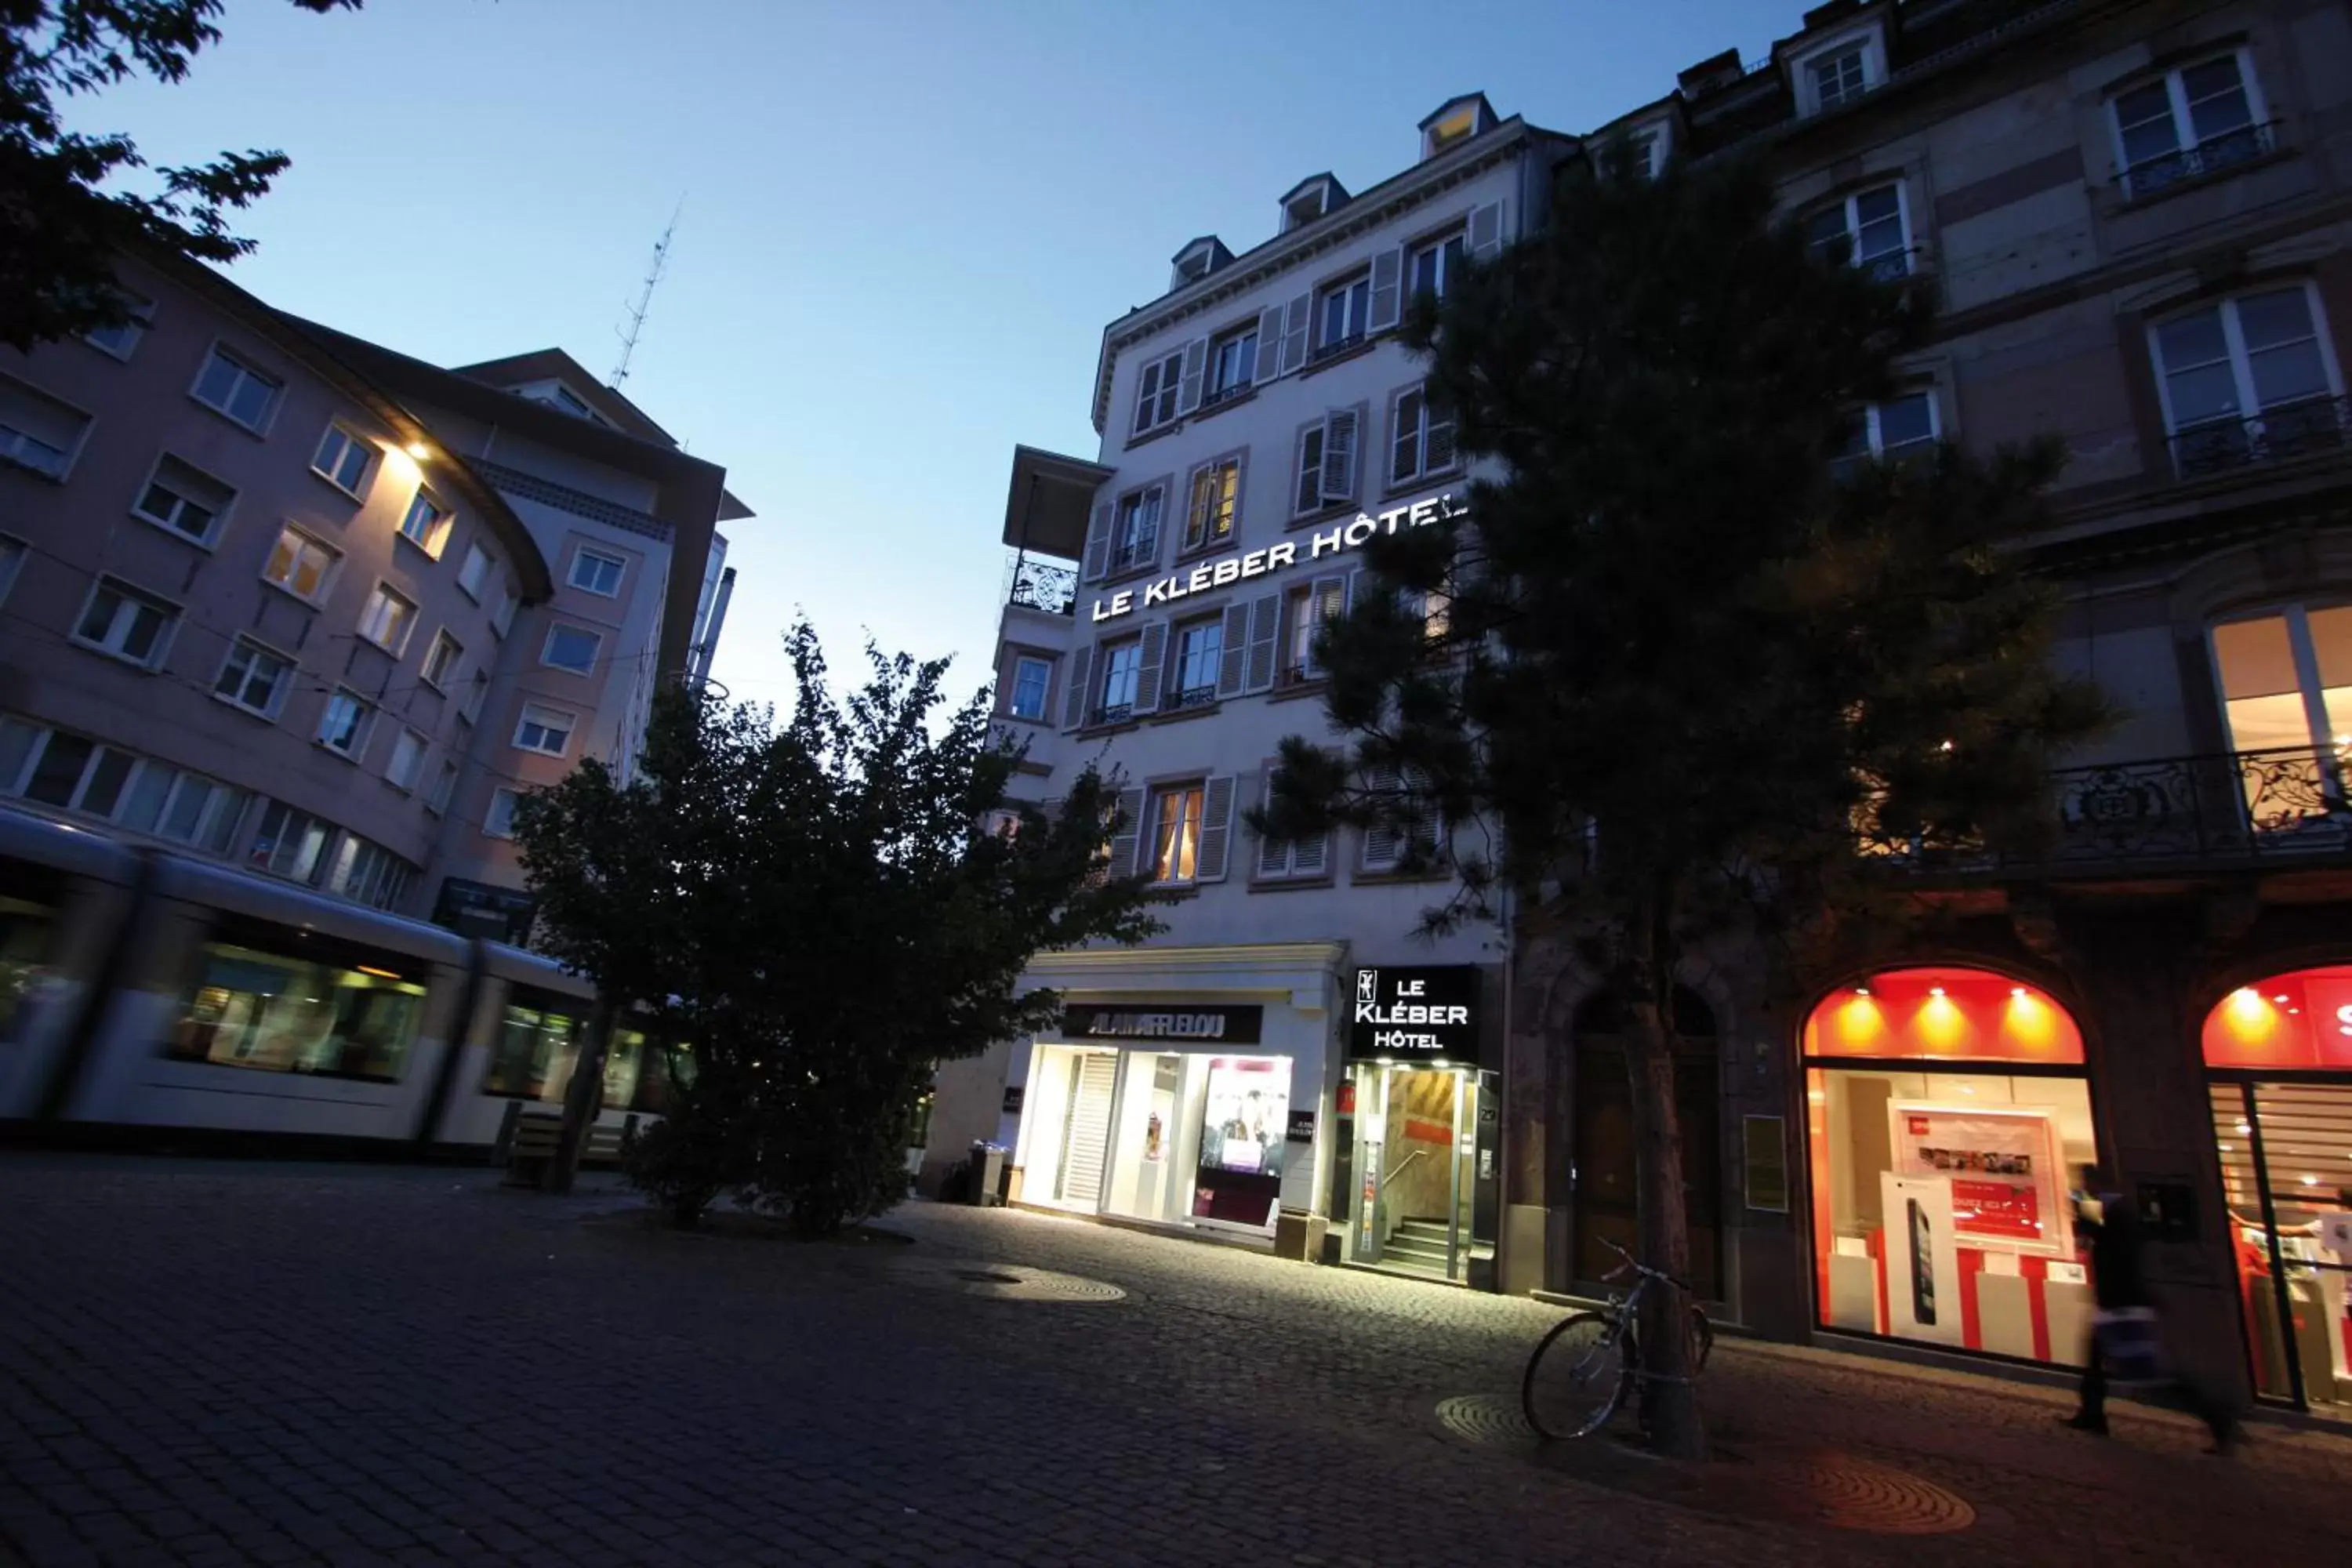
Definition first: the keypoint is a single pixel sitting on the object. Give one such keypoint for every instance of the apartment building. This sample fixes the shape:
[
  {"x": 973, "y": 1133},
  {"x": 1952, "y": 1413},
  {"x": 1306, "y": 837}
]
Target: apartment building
[
  {"x": 2133, "y": 216},
  {"x": 274, "y": 595}
]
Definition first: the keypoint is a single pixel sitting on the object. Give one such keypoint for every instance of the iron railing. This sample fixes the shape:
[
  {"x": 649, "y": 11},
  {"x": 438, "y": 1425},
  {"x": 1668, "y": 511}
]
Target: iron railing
[
  {"x": 2211, "y": 156},
  {"x": 1218, "y": 396},
  {"x": 2276, "y": 435},
  {"x": 1192, "y": 697},
  {"x": 1042, "y": 585}
]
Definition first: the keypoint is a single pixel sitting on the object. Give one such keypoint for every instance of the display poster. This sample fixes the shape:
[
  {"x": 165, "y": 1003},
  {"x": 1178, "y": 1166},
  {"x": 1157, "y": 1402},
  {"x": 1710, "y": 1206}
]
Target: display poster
[
  {"x": 1247, "y": 1116},
  {"x": 1923, "y": 1259},
  {"x": 2003, "y": 1169}
]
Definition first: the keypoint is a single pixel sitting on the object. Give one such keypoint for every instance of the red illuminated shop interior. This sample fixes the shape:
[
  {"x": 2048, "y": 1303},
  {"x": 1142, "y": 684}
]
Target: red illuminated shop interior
[{"x": 1946, "y": 1109}]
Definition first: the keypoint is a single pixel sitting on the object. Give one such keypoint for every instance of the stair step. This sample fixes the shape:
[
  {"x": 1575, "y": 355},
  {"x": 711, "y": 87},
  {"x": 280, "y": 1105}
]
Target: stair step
[
  {"x": 1435, "y": 1230},
  {"x": 1418, "y": 1247}
]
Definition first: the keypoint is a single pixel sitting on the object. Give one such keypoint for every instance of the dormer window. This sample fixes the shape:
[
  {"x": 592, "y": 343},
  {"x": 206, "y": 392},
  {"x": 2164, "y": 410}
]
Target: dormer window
[
  {"x": 1838, "y": 71},
  {"x": 1459, "y": 126},
  {"x": 1197, "y": 261},
  {"x": 1311, "y": 199},
  {"x": 562, "y": 398},
  {"x": 1456, "y": 121}
]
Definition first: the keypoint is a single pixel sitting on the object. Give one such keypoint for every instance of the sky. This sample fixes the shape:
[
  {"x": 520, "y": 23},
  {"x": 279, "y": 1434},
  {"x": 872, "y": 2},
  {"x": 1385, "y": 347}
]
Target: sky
[{"x": 905, "y": 223}]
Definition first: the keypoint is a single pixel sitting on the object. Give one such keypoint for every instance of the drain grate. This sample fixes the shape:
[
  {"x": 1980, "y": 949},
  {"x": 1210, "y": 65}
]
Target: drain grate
[
  {"x": 1486, "y": 1418},
  {"x": 1847, "y": 1493}
]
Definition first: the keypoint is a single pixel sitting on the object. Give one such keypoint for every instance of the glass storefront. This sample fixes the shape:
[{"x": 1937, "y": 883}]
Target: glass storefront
[
  {"x": 1946, "y": 1110},
  {"x": 1412, "y": 1167},
  {"x": 2278, "y": 1059}
]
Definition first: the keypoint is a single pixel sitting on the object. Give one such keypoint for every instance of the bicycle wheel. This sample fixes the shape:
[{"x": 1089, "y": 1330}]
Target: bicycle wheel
[
  {"x": 1576, "y": 1377},
  {"x": 1702, "y": 1341}
]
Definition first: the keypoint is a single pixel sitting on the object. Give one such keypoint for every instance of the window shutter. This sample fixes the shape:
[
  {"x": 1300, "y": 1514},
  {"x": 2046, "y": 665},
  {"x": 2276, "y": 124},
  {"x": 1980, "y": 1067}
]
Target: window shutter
[
  {"x": 1269, "y": 344},
  {"x": 1310, "y": 472},
  {"x": 1264, "y": 634},
  {"x": 1147, "y": 675},
  {"x": 1294, "y": 320},
  {"x": 1098, "y": 542},
  {"x": 1308, "y": 855},
  {"x": 1233, "y": 668},
  {"x": 1438, "y": 449},
  {"x": 1486, "y": 230},
  {"x": 1404, "y": 438},
  {"x": 1125, "y": 842},
  {"x": 1196, "y": 360},
  {"x": 1387, "y": 290},
  {"x": 1357, "y": 587},
  {"x": 1074, "y": 697},
  {"x": 1339, "y": 455},
  {"x": 1381, "y": 841},
  {"x": 1273, "y": 855},
  {"x": 1216, "y": 828}
]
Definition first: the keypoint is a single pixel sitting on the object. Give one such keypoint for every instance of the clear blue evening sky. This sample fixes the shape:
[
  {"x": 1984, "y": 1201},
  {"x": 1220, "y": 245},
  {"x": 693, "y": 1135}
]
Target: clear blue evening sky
[{"x": 906, "y": 221}]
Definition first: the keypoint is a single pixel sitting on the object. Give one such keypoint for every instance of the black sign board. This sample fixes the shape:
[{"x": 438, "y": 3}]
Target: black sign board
[
  {"x": 1302, "y": 1128},
  {"x": 1014, "y": 1094},
  {"x": 1414, "y": 1013},
  {"x": 1206, "y": 1023}
]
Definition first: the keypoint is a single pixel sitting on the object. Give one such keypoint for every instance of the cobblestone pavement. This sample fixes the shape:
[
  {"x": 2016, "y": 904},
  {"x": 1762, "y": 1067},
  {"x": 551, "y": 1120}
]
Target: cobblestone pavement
[{"x": 228, "y": 1364}]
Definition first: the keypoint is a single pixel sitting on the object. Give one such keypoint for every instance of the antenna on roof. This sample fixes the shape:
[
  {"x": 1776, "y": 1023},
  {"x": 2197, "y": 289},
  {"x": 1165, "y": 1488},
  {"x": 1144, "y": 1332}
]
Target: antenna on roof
[{"x": 636, "y": 312}]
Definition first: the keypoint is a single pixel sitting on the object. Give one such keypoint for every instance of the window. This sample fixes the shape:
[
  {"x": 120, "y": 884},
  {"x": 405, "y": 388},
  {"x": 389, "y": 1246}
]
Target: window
[
  {"x": 121, "y": 620},
  {"x": 1122, "y": 670},
  {"x": 407, "y": 760},
  {"x": 13, "y": 552},
  {"x": 499, "y": 821},
  {"x": 254, "y": 1009},
  {"x": 118, "y": 341},
  {"x": 253, "y": 677},
  {"x": 502, "y": 617},
  {"x": 1434, "y": 266},
  {"x": 1199, "y": 653},
  {"x": 344, "y": 460},
  {"x": 444, "y": 785},
  {"x": 1837, "y": 78},
  {"x": 2249, "y": 379},
  {"x": 66, "y": 771},
  {"x": 1030, "y": 679},
  {"x": 1341, "y": 312},
  {"x": 426, "y": 523},
  {"x": 1216, "y": 492},
  {"x": 2197, "y": 120},
  {"x": 1385, "y": 843},
  {"x": 300, "y": 563},
  {"x": 343, "y": 727},
  {"x": 1134, "y": 536},
  {"x": 368, "y": 873},
  {"x": 1422, "y": 443},
  {"x": 475, "y": 572},
  {"x": 184, "y": 499},
  {"x": 1326, "y": 463},
  {"x": 441, "y": 660},
  {"x": 2286, "y": 695},
  {"x": 1898, "y": 428},
  {"x": 231, "y": 387},
  {"x": 1176, "y": 834},
  {"x": 69, "y": 771},
  {"x": 1233, "y": 365},
  {"x": 472, "y": 712},
  {"x": 571, "y": 649},
  {"x": 596, "y": 572},
  {"x": 1155, "y": 394},
  {"x": 1304, "y": 612},
  {"x": 1299, "y": 857},
  {"x": 543, "y": 729},
  {"x": 37, "y": 431},
  {"x": 538, "y": 1046},
  {"x": 388, "y": 619},
  {"x": 1868, "y": 229},
  {"x": 290, "y": 844}
]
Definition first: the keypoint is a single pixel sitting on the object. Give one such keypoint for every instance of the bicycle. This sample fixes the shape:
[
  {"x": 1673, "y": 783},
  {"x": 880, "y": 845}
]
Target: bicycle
[{"x": 1581, "y": 1371}]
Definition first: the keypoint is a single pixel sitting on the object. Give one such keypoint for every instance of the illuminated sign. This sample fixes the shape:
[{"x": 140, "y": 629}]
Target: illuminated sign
[
  {"x": 1338, "y": 538},
  {"x": 1165, "y": 1021},
  {"x": 1415, "y": 1013}
]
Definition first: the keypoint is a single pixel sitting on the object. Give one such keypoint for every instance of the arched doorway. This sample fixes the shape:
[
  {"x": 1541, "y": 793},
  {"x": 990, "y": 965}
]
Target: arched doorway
[
  {"x": 2278, "y": 1061},
  {"x": 1945, "y": 1110},
  {"x": 1603, "y": 1192}
]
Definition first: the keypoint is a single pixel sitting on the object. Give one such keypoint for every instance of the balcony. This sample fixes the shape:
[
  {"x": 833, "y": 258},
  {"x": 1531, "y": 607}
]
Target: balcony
[
  {"x": 2213, "y": 156},
  {"x": 1041, "y": 585},
  {"x": 2277, "y": 435}
]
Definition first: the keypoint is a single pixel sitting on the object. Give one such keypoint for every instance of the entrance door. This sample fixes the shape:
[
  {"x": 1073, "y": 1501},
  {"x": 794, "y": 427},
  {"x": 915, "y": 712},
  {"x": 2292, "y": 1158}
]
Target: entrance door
[
  {"x": 1086, "y": 1132},
  {"x": 1606, "y": 1198},
  {"x": 1413, "y": 1169}
]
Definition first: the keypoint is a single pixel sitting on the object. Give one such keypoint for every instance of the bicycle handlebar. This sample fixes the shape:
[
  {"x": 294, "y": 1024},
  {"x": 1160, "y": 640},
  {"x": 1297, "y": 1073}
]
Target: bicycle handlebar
[{"x": 1638, "y": 1267}]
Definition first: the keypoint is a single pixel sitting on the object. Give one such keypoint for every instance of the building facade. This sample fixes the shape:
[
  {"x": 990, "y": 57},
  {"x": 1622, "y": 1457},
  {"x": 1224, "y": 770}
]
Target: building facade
[{"x": 274, "y": 595}]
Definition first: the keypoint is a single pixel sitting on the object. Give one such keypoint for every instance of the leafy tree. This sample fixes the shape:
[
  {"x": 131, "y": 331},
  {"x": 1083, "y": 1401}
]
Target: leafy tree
[
  {"x": 818, "y": 910},
  {"x": 60, "y": 228},
  {"x": 1688, "y": 655}
]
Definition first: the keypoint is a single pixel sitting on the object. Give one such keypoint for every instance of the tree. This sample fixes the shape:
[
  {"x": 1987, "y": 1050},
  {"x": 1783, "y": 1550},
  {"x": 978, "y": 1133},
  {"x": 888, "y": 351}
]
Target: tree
[
  {"x": 1687, "y": 654},
  {"x": 60, "y": 230},
  {"x": 818, "y": 908}
]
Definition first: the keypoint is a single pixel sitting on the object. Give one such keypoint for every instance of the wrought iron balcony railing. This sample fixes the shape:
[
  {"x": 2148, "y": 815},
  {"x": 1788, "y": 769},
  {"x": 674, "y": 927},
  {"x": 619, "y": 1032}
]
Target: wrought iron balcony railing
[
  {"x": 2211, "y": 156},
  {"x": 2276, "y": 435},
  {"x": 1042, "y": 585}
]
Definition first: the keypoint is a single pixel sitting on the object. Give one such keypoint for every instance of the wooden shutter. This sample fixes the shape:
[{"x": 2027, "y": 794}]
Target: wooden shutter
[
  {"x": 1339, "y": 431},
  {"x": 1486, "y": 230},
  {"x": 1216, "y": 829},
  {"x": 1380, "y": 841},
  {"x": 1196, "y": 360},
  {"x": 1357, "y": 587},
  {"x": 1130, "y": 834},
  {"x": 1388, "y": 291},
  {"x": 1309, "y": 856},
  {"x": 1265, "y": 638},
  {"x": 1309, "y": 495},
  {"x": 1273, "y": 855},
  {"x": 1147, "y": 674},
  {"x": 1232, "y": 653},
  {"x": 1269, "y": 344},
  {"x": 1437, "y": 448},
  {"x": 1074, "y": 694},
  {"x": 1404, "y": 436},
  {"x": 1201, "y": 496},
  {"x": 1098, "y": 542},
  {"x": 1296, "y": 318}
]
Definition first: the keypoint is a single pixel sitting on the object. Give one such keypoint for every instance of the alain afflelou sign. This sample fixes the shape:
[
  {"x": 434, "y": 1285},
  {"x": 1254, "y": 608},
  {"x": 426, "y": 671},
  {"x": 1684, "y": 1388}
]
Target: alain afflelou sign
[{"x": 1217, "y": 1023}]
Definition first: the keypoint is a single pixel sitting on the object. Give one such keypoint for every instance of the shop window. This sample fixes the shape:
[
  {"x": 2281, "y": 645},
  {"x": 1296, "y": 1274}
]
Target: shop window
[
  {"x": 254, "y": 1008},
  {"x": 1946, "y": 1110},
  {"x": 2287, "y": 698}
]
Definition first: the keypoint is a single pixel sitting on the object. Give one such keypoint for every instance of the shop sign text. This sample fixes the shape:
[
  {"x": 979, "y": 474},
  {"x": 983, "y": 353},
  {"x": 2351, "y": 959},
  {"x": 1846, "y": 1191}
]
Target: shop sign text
[
  {"x": 1336, "y": 540},
  {"x": 1164, "y": 1021},
  {"x": 1421, "y": 1012}
]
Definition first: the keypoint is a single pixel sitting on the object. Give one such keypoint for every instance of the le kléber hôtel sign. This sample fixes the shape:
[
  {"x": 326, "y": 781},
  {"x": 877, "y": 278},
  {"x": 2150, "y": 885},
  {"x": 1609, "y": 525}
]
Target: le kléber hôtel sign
[
  {"x": 1336, "y": 540},
  {"x": 1416, "y": 1014}
]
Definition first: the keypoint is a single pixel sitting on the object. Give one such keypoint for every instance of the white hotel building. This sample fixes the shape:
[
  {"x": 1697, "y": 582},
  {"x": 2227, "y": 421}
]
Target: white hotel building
[{"x": 1259, "y": 421}]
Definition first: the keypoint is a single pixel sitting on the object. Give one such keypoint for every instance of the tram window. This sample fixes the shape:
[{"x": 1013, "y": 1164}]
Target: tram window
[
  {"x": 255, "y": 1009},
  {"x": 662, "y": 1069},
  {"x": 25, "y": 930},
  {"x": 537, "y": 1046}
]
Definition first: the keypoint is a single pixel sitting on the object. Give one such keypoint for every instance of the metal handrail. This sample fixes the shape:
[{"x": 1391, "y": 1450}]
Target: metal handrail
[{"x": 1404, "y": 1165}]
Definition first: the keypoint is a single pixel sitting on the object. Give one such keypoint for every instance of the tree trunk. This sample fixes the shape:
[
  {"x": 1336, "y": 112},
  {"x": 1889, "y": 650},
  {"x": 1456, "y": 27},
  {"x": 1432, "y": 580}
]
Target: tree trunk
[
  {"x": 1669, "y": 1400},
  {"x": 583, "y": 1098}
]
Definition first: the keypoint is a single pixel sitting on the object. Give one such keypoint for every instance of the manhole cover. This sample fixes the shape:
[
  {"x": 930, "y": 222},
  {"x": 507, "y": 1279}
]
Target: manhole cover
[
  {"x": 1007, "y": 1282},
  {"x": 1486, "y": 1418},
  {"x": 1847, "y": 1493}
]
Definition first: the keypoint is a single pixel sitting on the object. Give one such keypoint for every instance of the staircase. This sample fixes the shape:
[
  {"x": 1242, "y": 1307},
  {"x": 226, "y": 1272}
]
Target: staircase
[{"x": 1417, "y": 1247}]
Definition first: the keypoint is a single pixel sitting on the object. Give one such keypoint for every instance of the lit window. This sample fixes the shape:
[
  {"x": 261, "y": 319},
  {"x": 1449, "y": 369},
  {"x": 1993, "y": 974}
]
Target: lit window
[
  {"x": 426, "y": 523},
  {"x": 1122, "y": 669},
  {"x": 499, "y": 821},
  {"x": 233, "y": 388},
  {"x": 571, "y": 649},
  {"x": 1135, "y": 537},
  {"x": 1155, "y": 392},
  {"x": 300, "y": 563},
  {"x": 407, "y": 760},
  {"x": 253, "y": 677},
  {"x": 1341, "y": 312},
  {"x": 1199, "y": 653},
  {"x": 1216, "y": 491},
  {"x": 441, "y": 660},
  {"x": 184, "y": 499},
  {"x": 1422, "y": 443},
  {"x": 475, "y": 572},
  {"x": 388, "y": 619},
  {"x": 1869, "y": 230},
  {"x": 1030, "y": 679},
  {"x": 343, "y": 458},
  {"x": 1898, "y": 428},
  {"x": 2248, "y": 380},
  {"x": 545, "y": 729},
  {"x": 2286, "y": 697},
  {"x": 2197, "y": 119},
  {"x": 121, "y": 620},
  {"x": 1176, "y": 835},
  {"x": 597, "y": 572},
  {"x": 343, "y": 727}
]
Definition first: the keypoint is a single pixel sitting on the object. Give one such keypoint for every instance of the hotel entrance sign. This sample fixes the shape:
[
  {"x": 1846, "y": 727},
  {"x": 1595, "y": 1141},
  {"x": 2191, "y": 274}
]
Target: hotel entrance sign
[
  {"x": 1415, "y": 1013},
  {"x": 1336, "y": 540}
]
